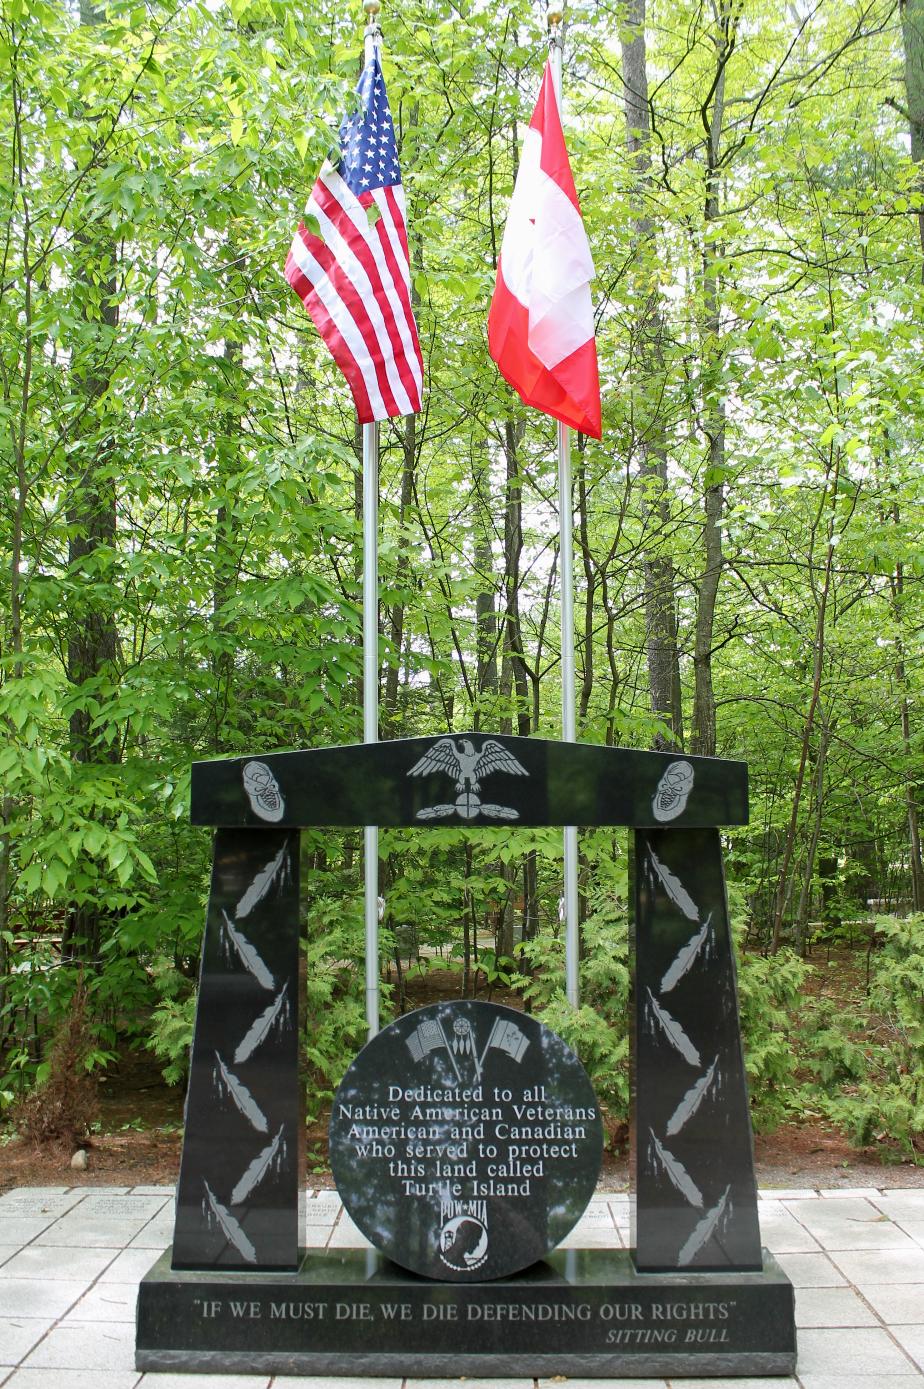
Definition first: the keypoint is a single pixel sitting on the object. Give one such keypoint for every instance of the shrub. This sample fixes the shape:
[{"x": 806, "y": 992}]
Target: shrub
[
  {"x": 885, "y": 1099},
  {"x": 61, "y": 1109}
]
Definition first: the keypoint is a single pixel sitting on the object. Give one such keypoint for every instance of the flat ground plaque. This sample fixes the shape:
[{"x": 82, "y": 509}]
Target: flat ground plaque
[{"x": 465, "y": 1141}]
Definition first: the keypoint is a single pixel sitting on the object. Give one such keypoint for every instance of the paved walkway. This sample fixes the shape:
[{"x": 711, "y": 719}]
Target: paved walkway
[{"x": 71, "y": 1260}]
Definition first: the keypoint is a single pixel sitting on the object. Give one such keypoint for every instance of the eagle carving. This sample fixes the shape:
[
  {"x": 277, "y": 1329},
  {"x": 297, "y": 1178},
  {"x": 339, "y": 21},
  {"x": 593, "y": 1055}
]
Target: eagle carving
[{"x": 466, "y": 764}]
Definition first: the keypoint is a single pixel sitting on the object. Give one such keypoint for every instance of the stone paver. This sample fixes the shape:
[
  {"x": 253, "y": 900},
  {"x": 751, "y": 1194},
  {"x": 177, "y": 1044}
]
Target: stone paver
[
  {"x": 341, "y": 1382},
  {"x": 26, "y": 1201},
  {"x": 18, "y": 1191},
  {"x": 866, "y": 1350},
  {"x": 90, "y": 1232},
  {"x": 130, "y": 1266},
  {"x": 85, "y": 1347},
  {"x": 896, "y": 1303},
  {"x": 39, "y": 1297},
  {"x": 881, "y": 1266},
  {"x": 811, "y": 1271},
  {"x": 594, "y": 1238},
  {"x": 880, "y": 1381},
  {"x": 71, "y": 1260},
  {"x": 600, "y": 1383},
  {"x": 21, "y": 1230},
  {"x": 157, "y": 1234},
  {"x": 911, "y": 1338},
  {"x": 775, "y": 1383},
  {"x": 901, "y": 1206},
  {"x": 45, "y": 1261},
  {"x": 524, "y": 1383},
  {"x": 346, "y": 1234},
  {"x": 787, "y": 1193},
  {"x": 73, "y": 1379},
  {"x": 781, "y": 1232},
  {"x": 106, "y": 1302},
  {"x": 18, "y": 1335},
  {"x": 851, "y": 1224},
  {"x": 174, "y": 1381},
  {"x": 832, "y": 1307},
  {"x": 839, "y": 1193}
]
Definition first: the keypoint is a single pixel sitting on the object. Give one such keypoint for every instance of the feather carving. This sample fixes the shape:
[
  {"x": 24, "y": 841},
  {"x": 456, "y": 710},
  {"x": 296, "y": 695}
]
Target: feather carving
[
  {"x": 229, "y": 1227},
  {"x": 686, "y": 957},
  {"x": 435, "y": 812},
  {"x": 674, "y": 1169},
  {"x": 259, "y": 1030},
  {"x": 674, "y": 888},
  {"x": 257, "y": 1170},
  {"x": 691, "y": 1101},
  {"x": 262, "y": 883},
  {"x": 248, "y": 955},
  {"x": 242, "y": 1098},
  {"x": 672, "y": 1031},
  {"x": 703, "y": 1230}
]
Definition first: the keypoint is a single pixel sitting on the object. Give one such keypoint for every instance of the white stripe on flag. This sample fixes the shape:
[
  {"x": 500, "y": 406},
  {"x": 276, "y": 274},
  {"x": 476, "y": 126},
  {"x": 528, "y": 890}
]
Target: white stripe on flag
[
  {"x": 355, "y": 273},
  {"x": 346, "y": 324},
  {"x": 388, "y": 224}
]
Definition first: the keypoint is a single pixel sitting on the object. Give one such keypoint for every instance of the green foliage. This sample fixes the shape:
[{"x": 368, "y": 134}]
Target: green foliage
[
  {"x": 170, "y": 1027},
  {"x": 335, "y": 1017},
  {"x": 770, "y": 993},
  {"x": 598, "y": 1030},
  {"x": 881, "y": 1096},
  {"x": 63, "y": 1106},
  {"x": 179, "y": 537}
]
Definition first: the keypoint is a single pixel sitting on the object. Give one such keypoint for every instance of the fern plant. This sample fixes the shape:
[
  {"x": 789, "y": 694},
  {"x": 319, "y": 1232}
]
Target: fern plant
[{"x": 886, "y": 1101}]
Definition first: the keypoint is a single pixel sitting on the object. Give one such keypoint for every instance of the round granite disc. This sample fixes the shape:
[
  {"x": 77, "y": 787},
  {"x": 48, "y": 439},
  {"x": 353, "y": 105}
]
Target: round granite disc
[{"x": 465, "y": 1141}]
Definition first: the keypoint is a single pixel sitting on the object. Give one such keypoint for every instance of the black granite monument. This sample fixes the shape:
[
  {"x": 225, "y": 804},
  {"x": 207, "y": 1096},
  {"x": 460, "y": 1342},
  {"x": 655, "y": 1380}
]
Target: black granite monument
[
  {"x": 465, "y": 1141},
  {"x": 465, "y": 1138}
]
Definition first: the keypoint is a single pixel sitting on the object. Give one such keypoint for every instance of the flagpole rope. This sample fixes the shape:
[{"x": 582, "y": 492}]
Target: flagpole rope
[
  {"x": 566, "y": 554},
  {"x": 372, "y": 41}
]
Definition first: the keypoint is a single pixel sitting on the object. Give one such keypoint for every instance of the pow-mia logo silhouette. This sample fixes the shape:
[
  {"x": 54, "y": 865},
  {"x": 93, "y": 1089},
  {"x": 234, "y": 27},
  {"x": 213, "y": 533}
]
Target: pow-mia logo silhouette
[{"x": 459, "y": 758}]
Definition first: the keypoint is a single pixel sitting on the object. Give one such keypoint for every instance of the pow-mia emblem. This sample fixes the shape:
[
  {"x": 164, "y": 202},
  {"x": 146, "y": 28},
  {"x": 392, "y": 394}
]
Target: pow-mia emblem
[{"x": 460, "y": 759}]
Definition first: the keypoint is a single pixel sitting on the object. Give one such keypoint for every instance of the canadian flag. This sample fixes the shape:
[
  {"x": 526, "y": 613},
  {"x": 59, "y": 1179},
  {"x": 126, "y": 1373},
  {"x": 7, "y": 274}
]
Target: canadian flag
[{"x": 541, "y": 326}]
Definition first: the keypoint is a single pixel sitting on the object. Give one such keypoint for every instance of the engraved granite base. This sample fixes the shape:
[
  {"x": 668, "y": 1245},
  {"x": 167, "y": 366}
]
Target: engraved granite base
[{"x": 580, "y": 1312}]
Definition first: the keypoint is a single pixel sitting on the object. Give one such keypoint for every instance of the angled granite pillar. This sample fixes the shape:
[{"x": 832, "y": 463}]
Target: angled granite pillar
[
  {"x": 240, "y": 1194},
  {"x": 696, "y": 1196}
]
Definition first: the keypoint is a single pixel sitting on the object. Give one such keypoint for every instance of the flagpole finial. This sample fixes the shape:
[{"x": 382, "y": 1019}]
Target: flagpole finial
[{"x": 373, "y": 35}]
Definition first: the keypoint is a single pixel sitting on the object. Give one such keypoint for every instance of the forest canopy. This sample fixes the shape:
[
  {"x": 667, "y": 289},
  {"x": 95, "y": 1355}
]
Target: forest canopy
[{"x": 180, "y": 510}]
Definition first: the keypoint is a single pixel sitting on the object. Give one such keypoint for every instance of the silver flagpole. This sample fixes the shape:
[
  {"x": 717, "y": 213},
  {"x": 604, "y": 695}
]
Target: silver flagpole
[
  {"x": 373, "y": 40},
  {"x": 565, "y": 522}
]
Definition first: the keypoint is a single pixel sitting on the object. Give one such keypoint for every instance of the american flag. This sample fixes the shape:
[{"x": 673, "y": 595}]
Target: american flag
[
  {"x": 353, "y": 276},
  {"x": 426, "y": 1035}
]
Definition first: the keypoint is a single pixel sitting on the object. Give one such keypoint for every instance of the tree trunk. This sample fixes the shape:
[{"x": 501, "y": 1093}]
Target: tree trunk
[
  {"x": 485, "y": 598},
  {"x": 226, "y": 558},
  {"x": 910, "y": 779},
  {"x": 590, "y": 589},
  {"x": 912, "y": 12},
  {"x": 92, "y": 642},
  {"x": 403, "y": 575},
  {"x": 703, "y": 726},
  {"x": 658, "y": 567},
  {"x": 515, "y": 676}
]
